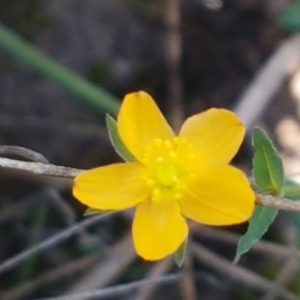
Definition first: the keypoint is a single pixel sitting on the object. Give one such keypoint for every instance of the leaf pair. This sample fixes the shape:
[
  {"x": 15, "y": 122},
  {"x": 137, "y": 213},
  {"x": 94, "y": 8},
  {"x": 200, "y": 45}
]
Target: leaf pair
[{"x": 268, "y": 175}]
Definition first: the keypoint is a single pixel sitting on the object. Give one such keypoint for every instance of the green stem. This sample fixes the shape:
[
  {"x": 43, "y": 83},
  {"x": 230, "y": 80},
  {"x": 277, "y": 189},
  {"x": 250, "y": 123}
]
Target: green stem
[
  {"x": 23, "y": 51},
  {"x": 291, "y": 191}
]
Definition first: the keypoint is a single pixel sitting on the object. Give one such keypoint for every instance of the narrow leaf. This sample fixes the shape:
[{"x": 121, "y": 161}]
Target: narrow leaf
[
  {"x": 289, "y": 19},
  {"x": 269, "y": 177},
  {"x": 295, "y": 217},
  {"x": 259, "y": 223},
  {"x": 20, "y": 49},
  {"x": 116, "y": 140},
  {"x": 291, "y": 190},
  {"x": 179, "y": 255},
  {"x": 267, "y": 165},
  {"x": 92, "y": 211}
]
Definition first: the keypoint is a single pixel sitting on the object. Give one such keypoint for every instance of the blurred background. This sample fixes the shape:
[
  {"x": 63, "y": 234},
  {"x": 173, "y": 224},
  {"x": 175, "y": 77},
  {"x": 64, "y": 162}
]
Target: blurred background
[{"x": 189, "y": 55}]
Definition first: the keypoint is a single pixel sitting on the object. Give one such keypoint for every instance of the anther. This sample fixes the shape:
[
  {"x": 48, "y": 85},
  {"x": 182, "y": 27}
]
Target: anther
[
  {"x": 174, "y": 178},
  {"x": 160, "y": 159},
  {"x": 192, "y": 155},
  {"x": 157, "y": 142},
  {"x": 192, "y": 176},
  {"x": 173, "y": 154},
  {"x": 177, "y": 195},
  {"x": 167, "y": 144},
  {"x": 150, "y": 182},
  {"x": 156, "y": 194}
]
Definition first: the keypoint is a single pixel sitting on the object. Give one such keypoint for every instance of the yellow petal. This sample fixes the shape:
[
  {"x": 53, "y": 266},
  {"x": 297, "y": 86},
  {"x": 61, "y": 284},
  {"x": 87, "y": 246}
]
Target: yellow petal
[
  {"x": 140, "y": 122},
  {"x": 220, "y": 196},
  {"x": 113, "y": 187},
  {"x": 158, "y": 229},
  {"x": 216, "y": 133}
]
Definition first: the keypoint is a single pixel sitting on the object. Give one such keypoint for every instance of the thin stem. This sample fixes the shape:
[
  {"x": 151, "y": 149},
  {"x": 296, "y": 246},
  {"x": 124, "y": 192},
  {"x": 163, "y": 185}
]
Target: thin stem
[
  {"x": 173, "y": 49},
  {"x": 120, "y": 290},
  {"x": 282, "y": 63},
  {"x": 23, "y": 152},
  {"x": 278, "y": 202},
  {"x": 50, "y": 242},
  {"x": 159, "y": 269},
  {"x": 237, "y": 273},
  {"x": 39, "y": 168},
  {"x": 59, "y": 274},
  {"x": 59, "y": 171}
]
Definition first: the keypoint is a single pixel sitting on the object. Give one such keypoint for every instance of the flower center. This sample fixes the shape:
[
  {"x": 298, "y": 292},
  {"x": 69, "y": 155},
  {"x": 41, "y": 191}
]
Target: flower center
[{"x": 168, "y": 164}]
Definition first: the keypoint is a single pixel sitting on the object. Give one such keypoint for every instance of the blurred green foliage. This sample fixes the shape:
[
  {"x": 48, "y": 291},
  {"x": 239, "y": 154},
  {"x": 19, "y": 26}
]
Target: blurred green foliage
[{"x": 290, "y": 18}]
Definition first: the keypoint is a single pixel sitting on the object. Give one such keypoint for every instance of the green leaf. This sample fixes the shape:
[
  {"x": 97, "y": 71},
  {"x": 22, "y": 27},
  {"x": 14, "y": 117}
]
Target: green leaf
[
  {"x": 291, "y": 190},
  {"x": 267, "y": 165},
  {"x": 20, "y": 49},
  {"x": 295, "y": 217},
  {"x": 92, "y": 211},
  {"x": 259, "y": 223},
  {"x": 290, "y": 19},
  {"x": 116, "y": 140},
  {"x": 179, "y": 255},
  {"x": 269, "y": 177}
]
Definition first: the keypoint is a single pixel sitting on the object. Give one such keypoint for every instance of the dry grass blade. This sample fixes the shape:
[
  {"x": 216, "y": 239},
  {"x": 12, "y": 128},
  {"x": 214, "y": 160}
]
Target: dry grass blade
[
  {"x": 51, "y": 242},
  {"x": 39, "y": 168},
  {"x": 120, "y": 290},
  {"x": 290, "y": 267},
  {"x": 267, "y": 247},
  {"x": 23, "y": 152},
  {"x": 237, "y": 273},
  {"x": 173, "y": 49},
  {"x": 269, "y": 79},
  {"x": 111, "y": 266},
  {"x": 188, "y": 287},
  {"x": 53, "y": 276},
  {"x": 157, "y": 270}
]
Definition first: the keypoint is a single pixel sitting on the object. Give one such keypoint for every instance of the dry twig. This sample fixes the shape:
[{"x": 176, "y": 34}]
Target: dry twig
[
  {"x": 115, "y": 261},
  {"x": 265, "y": 247},
  {"x": 159, "y": 269},
  {"x": 278, "y": 202},
  {"x": 56, "y": 275},
  {"x": 120, "y": 290},
  {"x": 238, "y": 273},
  {"x": 289, "y": 269},
  {"x": 173, "y": 48},
  {"x": 284, "y": 62},
  {"x": 59, "y": 171},
  {"x": 51, "y": 242}
]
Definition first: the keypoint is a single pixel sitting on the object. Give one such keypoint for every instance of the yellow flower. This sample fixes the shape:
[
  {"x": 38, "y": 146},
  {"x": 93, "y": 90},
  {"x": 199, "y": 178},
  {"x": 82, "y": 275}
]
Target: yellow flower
[{"x": 174, "y": 176}]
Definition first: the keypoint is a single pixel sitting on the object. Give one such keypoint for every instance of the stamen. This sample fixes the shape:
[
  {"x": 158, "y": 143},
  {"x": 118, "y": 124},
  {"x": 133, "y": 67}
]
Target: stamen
[
  {"x": 173, "y": 154},
  {"x": 150, "y": 182},
  {"x": 158, "y": 142},
  {"x": 175, "y": 178},
  {"x": 169, "y": 162},
  {"x": 168, "y": 144},
  {"x": 192, "y": 176},
  {"x": 192, "y": 155},
  {"x": 160, "y": 159},
  {"x": 177, "y": 195},
  {"x": 156, "y": 194}
]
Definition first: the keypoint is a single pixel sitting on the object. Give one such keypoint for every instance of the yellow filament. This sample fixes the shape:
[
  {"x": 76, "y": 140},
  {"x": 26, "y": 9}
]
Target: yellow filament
[{"x": 167, "y": 162}]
